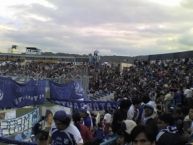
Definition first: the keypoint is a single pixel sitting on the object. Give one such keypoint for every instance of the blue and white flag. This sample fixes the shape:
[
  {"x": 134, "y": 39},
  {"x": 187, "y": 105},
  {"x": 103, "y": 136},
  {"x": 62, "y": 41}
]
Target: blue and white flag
[
  {"x": 69, "y": 91},
  {"x": 15, "y": 95},
  {"x": 31, "y": 93}
]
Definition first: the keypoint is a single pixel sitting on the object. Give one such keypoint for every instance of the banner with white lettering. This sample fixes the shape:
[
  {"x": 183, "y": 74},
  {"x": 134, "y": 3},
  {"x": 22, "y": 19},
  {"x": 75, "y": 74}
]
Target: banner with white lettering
[
  {"x": 93, "y": 105},
  {"x": 20, "y": 124},
  {"x": 15, "y": 95}
]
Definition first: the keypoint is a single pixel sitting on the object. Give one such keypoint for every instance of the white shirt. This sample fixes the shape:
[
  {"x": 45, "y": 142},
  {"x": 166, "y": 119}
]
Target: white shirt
[{"x": 131, "y": 112}]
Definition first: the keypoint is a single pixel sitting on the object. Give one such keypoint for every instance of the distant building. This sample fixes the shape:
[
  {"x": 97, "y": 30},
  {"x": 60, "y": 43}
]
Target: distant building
[
  {"x": 125, "y": 66},
  {"x": 33, "y": 50}
]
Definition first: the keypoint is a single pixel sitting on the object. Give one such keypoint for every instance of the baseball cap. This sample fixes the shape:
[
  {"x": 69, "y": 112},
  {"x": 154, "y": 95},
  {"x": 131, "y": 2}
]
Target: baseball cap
[{"x": 60, "y": 115}]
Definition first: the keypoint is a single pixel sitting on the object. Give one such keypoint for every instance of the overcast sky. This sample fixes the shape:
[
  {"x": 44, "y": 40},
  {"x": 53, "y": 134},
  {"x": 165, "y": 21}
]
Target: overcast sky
[{"x": 113, "y": 27}]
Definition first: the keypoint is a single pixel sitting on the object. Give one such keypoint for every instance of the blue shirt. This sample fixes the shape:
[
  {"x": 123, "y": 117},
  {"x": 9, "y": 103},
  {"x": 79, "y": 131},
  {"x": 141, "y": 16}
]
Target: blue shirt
[{"x": 59, "y": 137}]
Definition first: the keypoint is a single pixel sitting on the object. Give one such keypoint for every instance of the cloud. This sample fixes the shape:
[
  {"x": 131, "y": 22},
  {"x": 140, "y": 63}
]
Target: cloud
[
  {"x": 187, "y": 4},
  {"x": 127, "y": 27}
]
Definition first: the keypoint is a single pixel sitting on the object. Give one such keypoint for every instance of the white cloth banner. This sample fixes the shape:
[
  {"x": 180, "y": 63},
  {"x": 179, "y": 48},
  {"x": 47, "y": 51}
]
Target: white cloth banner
[{"x": 20, "y": 124}]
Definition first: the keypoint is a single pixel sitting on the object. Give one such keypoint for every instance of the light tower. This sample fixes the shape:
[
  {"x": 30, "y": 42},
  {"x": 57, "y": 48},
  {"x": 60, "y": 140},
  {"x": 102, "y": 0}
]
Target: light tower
[
  {"x": 96, "y": 57},
  {"x": 14, "y": 49}
]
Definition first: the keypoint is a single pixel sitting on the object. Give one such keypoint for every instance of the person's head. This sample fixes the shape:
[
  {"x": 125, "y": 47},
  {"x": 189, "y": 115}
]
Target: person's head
[
  {"x": 125, "y": 104},
  {"x": 145, "y": 99},
  {"x": 149, "y": 109},
  {"x": 42, "y": 138},
  {"x": 49, "y": 116},
  {"x": 190, "y": 113},
  {"x": 78, "y": 117},
  {"x": 164, "y": 120},
  {"x": 62, "y": 120},
  {"x": 120, "y": 139},
  {"x": 136, "y": 102},
  {"x": 125, "y": 131},
  {"x": 84, "y": 113},
  {"x": 142, "y": 135}
]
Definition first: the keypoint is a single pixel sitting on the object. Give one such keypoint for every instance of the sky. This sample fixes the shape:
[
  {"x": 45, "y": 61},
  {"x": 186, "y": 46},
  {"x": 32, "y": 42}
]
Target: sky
[{"x": 113, "y": 27}]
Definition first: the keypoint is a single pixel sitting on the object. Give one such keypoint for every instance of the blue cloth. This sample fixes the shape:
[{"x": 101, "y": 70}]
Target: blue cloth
[
  {"x": 69, "y": 91},
  {"x": 59, "y": 137},
  {"x": 11, "y": 141},
  {"x": 178, "y": 98},
  {"x": 15, "y": 95},
  {"x": 88, "y": 121},
  {"x": 99, "y": 135}
]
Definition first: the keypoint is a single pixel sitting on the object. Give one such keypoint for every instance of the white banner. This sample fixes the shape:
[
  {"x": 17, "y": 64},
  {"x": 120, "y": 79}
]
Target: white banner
[
  {"x": 10, "y": 114},
  {"x": 20, "y": 124}
]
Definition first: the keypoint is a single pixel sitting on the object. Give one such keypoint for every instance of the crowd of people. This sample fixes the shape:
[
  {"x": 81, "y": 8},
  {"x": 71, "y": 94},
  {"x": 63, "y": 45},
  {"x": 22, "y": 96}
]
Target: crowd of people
[
  {"x": 167, "y": 83},
  {"x": 155, "y": 104},
  {"x": 155, "y": 107},
  {"x": 41, "y": 70},
  {"x": 153, "y": 78},
  {"x": 134, "y": 122}
]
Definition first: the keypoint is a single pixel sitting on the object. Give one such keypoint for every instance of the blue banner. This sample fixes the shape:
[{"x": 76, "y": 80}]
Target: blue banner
[
  {"x": 6, "y": 93},
  {"x": 93, "y": 105},
  {"x": 69, "y": 91},
  {"x": 15, "y": 95}
]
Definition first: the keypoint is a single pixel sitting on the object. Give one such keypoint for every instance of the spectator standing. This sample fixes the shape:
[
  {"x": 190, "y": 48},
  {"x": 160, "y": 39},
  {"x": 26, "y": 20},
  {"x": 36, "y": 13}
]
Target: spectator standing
[{"x": 64, "y": 132}]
